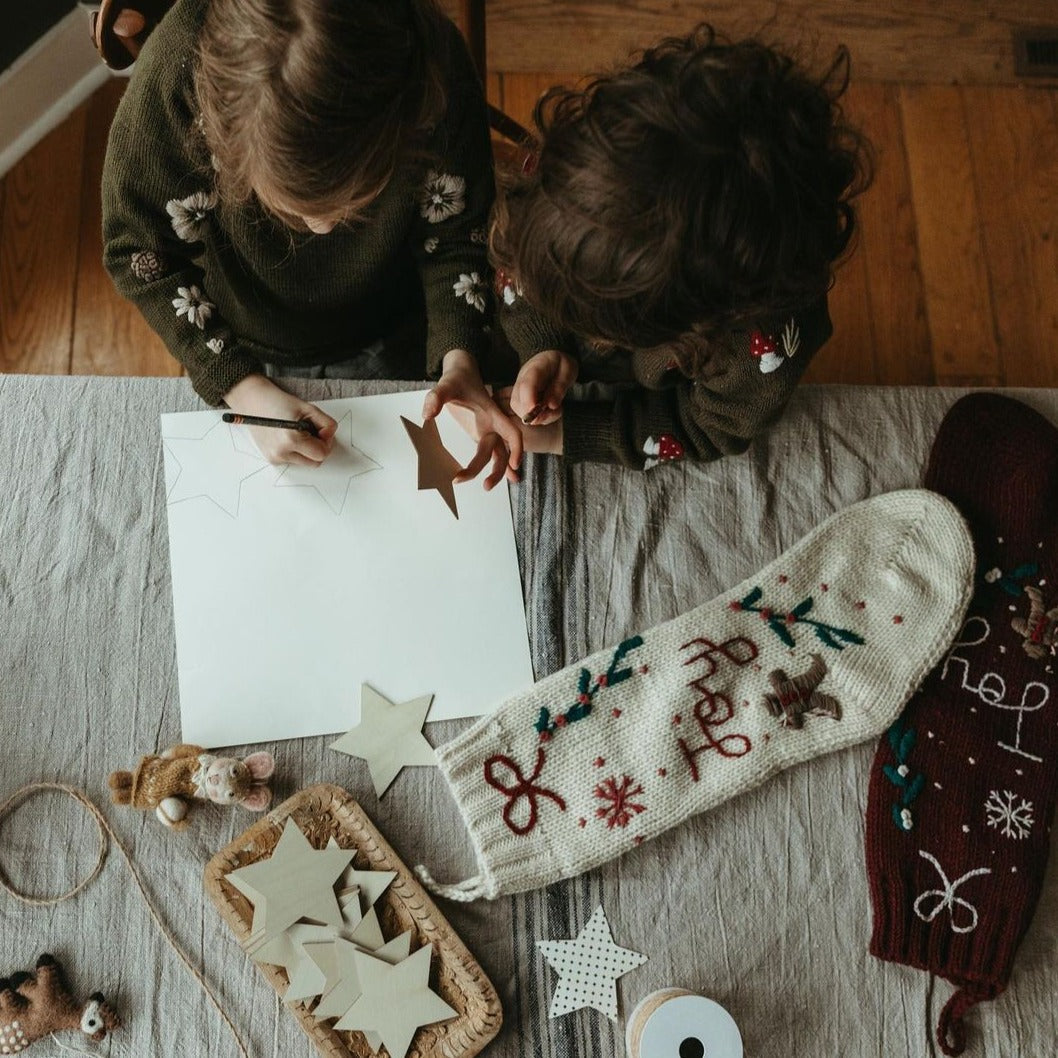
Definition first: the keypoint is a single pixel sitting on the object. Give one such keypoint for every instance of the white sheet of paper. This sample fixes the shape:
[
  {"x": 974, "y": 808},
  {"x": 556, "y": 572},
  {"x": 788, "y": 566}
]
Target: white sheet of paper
[{"x": 291, "y": 589}]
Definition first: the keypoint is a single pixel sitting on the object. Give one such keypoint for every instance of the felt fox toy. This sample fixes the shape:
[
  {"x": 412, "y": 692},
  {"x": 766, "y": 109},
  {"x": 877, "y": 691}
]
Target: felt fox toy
[
  {"x": 168, "y": 783},
  {"x": 35, "y": 1005}
]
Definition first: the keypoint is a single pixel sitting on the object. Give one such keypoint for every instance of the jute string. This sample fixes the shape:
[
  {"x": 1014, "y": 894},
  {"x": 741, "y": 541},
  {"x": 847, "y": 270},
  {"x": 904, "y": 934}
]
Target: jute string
[{"x": 106, "y": 834}]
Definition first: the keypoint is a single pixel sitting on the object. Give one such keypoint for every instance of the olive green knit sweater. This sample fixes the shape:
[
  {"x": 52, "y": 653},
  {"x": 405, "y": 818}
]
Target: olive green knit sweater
[
  {"x": 229, "y": 289},
  {"x": 662, "y": 415}
]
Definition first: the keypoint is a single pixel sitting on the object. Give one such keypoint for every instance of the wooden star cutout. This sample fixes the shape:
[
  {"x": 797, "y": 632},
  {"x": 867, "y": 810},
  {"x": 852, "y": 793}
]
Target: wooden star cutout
[
  {"x": 389, "y": 736},
  {"x": 297, "y": 881},
  {"x": 588, "y": 968},
  {"x": 370, "y": 884},
  {"x": 796, "y": 697},
  {"x": 395, "y": 1000},
  {"x": 342, "y": 976},
  {"x": 437, "y": 466}
]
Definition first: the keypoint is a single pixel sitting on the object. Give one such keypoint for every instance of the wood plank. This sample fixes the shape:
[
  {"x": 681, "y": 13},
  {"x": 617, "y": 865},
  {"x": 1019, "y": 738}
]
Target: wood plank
[
  {"x": 951, "y": 250},
  {"x": 947, "y": 41},
  {"x": 888, "y": 244},
  {"x": 39, "y": 264},
  {"x": 1014, "y": 140},
  {"x": 522, "y": 90},
  {"x": 110, "y": 336},
  {"x": 848, "y": 357}
]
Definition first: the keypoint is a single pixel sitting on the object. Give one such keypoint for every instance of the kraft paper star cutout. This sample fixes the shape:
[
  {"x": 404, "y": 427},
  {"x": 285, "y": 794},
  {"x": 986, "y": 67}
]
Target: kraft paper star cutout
[
  {"x": 395, "y": 1000},
  {"x": 297, "y": 881},
  {"x": 588, "y": 968},
  {"x": 389, "y": 736},
  {"x": 332, "y": 478},
  {"x": 437, "y": 466},
  {"x": 211, "y": 467}
]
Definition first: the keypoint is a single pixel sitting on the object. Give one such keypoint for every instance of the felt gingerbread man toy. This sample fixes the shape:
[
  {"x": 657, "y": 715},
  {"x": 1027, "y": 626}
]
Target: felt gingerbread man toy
[
  {"x": 35, "y": 1005},
  {"x": 169, "y": 782}
]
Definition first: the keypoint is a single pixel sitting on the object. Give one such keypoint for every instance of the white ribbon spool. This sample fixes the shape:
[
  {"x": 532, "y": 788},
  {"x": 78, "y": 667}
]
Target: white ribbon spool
[{"x": 675, "y": 1023}]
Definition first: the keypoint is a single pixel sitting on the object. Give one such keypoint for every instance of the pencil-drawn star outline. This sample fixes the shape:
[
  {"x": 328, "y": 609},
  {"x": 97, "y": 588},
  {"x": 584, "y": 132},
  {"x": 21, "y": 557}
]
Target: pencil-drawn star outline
[{"x": 209, "y": 455}]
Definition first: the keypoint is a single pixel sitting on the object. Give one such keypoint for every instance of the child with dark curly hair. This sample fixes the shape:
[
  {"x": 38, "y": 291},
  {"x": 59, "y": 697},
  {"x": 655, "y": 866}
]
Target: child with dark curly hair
[
  {"x": 304, "y": 186},
  {"x": 678, "y": 227}
]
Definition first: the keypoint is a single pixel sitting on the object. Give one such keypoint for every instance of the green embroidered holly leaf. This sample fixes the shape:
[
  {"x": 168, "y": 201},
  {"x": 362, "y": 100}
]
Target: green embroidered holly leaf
[
  {"x": 894, "y": 733},
  {"x": 848, "y": 636},
  {"x": 616, "y": 675},
  {"x": 584, "y": 681},
  {"x": 778, "y": 626},
  {"x": 893, "y": 775},
  {"x": 753, "y": 598},
  {"x": 824, "y": 636},
  {"x": 802, "y": 607},
  {"x": 578, "y": 712},
  {"x": 907, "y": 744},
  {"x": 543, "y": 721},
  {"x": 915, "y": 788}
]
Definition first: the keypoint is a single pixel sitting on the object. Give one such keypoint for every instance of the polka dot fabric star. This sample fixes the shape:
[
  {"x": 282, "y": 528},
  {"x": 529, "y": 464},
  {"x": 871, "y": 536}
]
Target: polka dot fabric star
[{"x": 588, "y": 968}]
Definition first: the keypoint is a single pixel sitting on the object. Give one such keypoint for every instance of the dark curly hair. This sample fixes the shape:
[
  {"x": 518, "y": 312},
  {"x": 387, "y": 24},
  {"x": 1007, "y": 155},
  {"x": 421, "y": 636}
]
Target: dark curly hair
[
  {"x": 313, "y": 104},
  {"x": 706, "y": 185}
]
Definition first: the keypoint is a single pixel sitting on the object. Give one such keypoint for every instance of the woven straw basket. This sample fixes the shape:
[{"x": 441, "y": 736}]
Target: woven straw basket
[{"x": 326, "y": 811}]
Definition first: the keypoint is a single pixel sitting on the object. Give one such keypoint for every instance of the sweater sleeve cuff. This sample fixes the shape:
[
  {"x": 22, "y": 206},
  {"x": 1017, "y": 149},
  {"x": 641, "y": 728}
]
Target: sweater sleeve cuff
[
  {"x": 589, "y": 433},
  {"x": 218, "y": 376},
  {"x": 475, "y": 342}
]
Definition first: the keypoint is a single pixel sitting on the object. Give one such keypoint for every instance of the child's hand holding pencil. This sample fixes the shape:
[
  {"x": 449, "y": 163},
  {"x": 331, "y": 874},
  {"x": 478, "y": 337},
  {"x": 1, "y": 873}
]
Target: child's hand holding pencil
[
  {"x": 541, "y": 386},
  {"x": 285, "y": 428}
]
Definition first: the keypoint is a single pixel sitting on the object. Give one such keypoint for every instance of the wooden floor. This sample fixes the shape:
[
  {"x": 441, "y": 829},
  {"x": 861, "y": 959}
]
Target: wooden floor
[{"x": 954, "y": 281}]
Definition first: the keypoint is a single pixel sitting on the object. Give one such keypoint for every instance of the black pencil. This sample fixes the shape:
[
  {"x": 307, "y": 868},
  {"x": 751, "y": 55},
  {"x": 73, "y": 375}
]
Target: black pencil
[{"x": 302, "y": 425}]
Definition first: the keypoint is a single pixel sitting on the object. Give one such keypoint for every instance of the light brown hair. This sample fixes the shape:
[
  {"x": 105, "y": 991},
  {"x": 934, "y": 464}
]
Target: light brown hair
[{"x": 314, "y": 104}]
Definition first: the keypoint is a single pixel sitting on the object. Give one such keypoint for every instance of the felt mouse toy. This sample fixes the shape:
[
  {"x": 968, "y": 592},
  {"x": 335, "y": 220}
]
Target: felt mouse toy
[
  {"x": 169, "y": 782},
  {"x": 35, "y": 1005}
]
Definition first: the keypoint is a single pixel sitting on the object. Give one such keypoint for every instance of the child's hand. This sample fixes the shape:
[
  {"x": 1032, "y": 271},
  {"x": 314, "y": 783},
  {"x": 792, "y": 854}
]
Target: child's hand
[
  {"x": 498, "y": 437},
  {"x": 257, "y": 395},
  {"x": 541, "y": 385}
]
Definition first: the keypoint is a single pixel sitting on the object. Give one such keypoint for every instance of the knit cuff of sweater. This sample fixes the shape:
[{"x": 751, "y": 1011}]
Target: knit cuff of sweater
[
  {"x": 589, "y": 433},
  {"x": 442, "y": 342},
  {"x": 218, "y": 376},
  {"x": 529, "y": 333}
]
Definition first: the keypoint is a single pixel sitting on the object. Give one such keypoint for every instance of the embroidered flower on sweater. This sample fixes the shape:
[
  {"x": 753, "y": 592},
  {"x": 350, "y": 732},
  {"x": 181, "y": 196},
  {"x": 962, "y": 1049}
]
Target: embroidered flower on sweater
[
  {"x": 472, "y": 288},
  {"x": 190, "y": 216},
  {"x": 149, "y": 265},
  {"x": 443, "y": 196},
  {"x": 193, "y": 305},
  {"x": 215, "y": 345},
  {"x": 431, "y": 244}
]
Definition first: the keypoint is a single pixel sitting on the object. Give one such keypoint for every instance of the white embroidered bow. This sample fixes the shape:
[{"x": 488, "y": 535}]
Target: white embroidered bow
[{"x": 947, "y": 898}]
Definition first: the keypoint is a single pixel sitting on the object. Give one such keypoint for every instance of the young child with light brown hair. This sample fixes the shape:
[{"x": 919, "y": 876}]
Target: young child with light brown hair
[
  {"x": 676, "y": 230},
  {"x": 303, "y": 186}
]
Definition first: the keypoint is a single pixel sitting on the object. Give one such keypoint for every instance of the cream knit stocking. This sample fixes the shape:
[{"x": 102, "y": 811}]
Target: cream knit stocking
[{"x": 817, "y": 652}]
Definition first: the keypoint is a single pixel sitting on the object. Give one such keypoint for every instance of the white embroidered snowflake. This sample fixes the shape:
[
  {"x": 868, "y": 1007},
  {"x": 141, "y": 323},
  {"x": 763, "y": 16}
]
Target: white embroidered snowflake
[
  {"x": 471, "y": 288},
  {"x": 215, "y": 345},
  {"x": 443, "y": 196},
  {"x": 431, "y": 244},
  {"x": 190, "y": 215},
  {"x": 1009, "y": 813},
  {"x": 193, "y": 305}
]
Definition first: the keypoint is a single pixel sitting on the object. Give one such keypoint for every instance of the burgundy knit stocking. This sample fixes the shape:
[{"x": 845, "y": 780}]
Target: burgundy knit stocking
[{"x": 963, "y": 787}]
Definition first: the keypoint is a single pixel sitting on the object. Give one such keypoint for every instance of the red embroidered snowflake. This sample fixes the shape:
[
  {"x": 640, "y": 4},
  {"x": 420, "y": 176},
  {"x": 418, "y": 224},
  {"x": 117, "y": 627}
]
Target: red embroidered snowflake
[{"x": 619, "y": 809}]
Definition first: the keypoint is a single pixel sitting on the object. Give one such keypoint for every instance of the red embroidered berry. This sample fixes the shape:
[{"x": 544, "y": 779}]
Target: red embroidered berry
[
  {"x": 545, "y": 736},
  {"x": 603, "y": 680},
  {"x": 898, "y": 620},
  {"x": 765, "y": 614},
  {"x": 783, "y": 578},
  {"x": 616, "y": 713},
  {"x": 643, "y": 670},
  {"x": 560, "y": 721},
  {"x": 861, "y": 605},
  {"x": 662, "y": 772},
  {"x": 637, "y": 840},
  {"x": 599, "y": 762},
  {"x": 582, "y": 822},
  {"x": 825, "y": 587},
  {"x": 677, "y": 719},
  {"x": 584, "y": 699},
  {"x": 791, "y": 619},
  {"x": 734, "y": 605}
]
